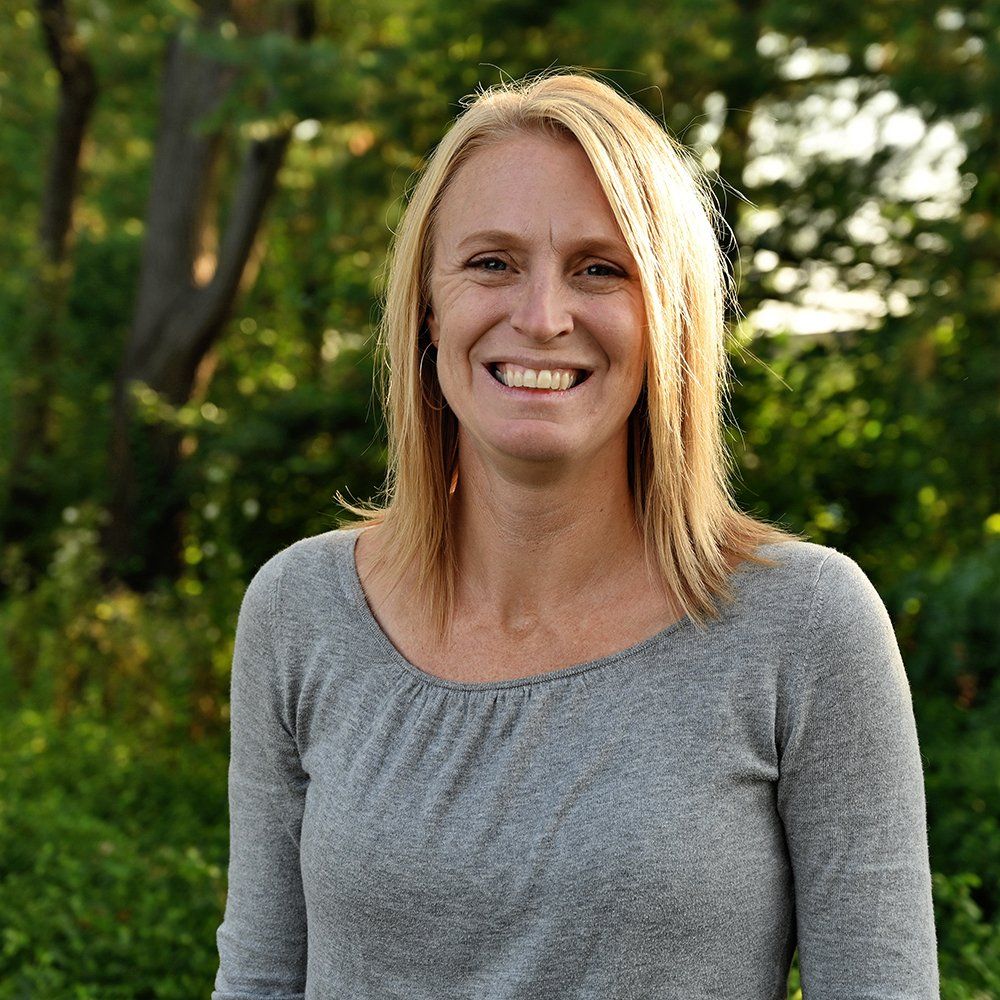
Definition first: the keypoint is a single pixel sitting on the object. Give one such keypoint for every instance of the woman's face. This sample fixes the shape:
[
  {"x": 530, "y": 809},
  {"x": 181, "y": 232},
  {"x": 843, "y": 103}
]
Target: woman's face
[{"x": 530, "y": 271}]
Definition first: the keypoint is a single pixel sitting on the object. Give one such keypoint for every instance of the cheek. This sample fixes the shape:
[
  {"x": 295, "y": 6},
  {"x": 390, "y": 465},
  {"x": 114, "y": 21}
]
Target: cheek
[
  {"x": 464, "y": 328},
  {"x": 628, "y": 338}
]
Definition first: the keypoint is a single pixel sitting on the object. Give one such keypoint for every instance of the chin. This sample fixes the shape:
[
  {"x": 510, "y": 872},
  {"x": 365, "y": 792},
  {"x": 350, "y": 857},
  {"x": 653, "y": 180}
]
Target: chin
[
  {"x": 542, "y": 457},
  {"x": 538, "y": 451},
  {"x": 528, "y": 444}
]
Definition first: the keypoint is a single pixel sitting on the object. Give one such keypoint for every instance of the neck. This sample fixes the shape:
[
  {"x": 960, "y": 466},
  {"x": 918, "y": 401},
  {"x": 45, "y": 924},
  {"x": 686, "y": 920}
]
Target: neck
[{"x": 534, "y": 550}]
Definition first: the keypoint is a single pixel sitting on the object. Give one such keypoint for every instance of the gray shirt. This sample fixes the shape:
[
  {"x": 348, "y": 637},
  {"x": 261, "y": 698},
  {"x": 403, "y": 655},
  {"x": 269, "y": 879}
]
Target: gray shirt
[{"x": 666, "y": 821}]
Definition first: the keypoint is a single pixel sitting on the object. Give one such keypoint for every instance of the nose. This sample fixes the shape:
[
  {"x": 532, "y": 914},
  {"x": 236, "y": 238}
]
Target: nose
[{"x": 540, "y": 309}]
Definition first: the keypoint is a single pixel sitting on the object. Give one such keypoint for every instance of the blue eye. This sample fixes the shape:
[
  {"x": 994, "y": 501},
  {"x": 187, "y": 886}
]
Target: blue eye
[
  {"x": 487, "y": 260},
  {"x": 487, "y": 264}
]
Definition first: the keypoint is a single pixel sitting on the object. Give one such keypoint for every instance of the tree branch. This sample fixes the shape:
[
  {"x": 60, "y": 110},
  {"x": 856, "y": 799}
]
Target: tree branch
[{"x": 77, "y": 94}]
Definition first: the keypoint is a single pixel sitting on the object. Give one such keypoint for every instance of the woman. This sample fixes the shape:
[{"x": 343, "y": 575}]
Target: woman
[{"x": 559, "y": 720}]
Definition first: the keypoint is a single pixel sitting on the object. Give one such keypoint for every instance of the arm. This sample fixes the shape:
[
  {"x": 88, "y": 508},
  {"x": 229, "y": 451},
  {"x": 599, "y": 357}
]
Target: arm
[
  {"x": 851, "y": 797},
  {"x": 262, "y": 939}
]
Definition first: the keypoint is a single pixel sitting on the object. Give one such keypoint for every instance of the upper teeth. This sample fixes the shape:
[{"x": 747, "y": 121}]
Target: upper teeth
[{"x": 531, "y": 378}]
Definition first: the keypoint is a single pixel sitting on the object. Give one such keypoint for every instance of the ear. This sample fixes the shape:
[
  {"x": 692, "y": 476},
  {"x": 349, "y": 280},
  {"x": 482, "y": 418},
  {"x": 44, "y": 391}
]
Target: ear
[{"x": 432, "y": 326}]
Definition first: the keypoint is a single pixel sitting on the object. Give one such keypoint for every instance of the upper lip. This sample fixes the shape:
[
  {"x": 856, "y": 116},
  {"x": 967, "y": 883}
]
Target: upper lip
[{"x": 548, "y": 365}]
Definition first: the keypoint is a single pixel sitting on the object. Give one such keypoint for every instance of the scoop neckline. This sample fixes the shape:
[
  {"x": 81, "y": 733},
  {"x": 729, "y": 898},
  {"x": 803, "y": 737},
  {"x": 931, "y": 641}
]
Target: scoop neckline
[{"x": 371, "y": 623}]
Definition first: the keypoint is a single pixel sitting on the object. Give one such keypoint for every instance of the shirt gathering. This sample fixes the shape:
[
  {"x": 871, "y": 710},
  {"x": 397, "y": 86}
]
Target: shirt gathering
[{"x": 670, "y": 820}]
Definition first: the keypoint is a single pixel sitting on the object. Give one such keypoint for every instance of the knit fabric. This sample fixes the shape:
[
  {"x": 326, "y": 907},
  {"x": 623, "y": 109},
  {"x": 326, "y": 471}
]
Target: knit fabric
[{"x": 667, "y": 821}]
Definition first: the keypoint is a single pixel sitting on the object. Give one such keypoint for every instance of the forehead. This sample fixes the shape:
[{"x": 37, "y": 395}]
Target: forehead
[{"x": 529, "y": 184}]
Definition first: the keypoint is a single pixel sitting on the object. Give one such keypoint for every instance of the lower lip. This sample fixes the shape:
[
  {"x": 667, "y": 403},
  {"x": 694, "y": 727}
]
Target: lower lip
[{"x": 518, "y": 392}]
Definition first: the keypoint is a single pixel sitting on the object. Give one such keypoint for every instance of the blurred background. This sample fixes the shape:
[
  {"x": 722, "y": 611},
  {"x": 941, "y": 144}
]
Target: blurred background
[{"x": 196, "y": 203}]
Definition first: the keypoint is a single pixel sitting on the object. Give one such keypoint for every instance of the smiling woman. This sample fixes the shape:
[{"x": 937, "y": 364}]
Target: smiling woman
[
  {"x": 559, "y": 719},
  {"x": 557, "y": 227}
]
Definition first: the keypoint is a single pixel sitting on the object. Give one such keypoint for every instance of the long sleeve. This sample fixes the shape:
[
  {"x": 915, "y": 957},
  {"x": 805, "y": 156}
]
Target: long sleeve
[
  {"x": 851, "y": 797},
  {"x": 262, "y": 939}
]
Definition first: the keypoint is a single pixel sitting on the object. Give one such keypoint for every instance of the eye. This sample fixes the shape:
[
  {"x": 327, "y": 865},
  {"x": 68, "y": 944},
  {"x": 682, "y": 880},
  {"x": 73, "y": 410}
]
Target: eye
[
  {"x": 482, "y": 262},
  {"x": 609, "y": 271}
]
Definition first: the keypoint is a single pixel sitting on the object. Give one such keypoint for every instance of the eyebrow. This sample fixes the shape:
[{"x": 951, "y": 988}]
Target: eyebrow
[{"x": 585, "y": 244}]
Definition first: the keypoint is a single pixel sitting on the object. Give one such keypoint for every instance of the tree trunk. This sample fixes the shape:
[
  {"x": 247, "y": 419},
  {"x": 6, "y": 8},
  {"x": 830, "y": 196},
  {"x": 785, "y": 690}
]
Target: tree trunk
[
  {"x": 177, "y": 319},
  {"x": 26, "y": 496}
]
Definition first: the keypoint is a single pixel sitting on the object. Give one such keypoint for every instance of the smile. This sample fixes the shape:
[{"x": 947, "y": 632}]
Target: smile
[{"x": 535, "y": 379}]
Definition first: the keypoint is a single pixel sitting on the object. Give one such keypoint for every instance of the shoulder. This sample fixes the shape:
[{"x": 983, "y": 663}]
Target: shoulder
[
  {"x": 840, "y": 660},
  {"x": 809, "y": 565},
  {"x": 784, "y": 590},
  {"x": 848, "y": 620},
  {"x": 842, "y": 625},
  {"x": 813, "y": 592},
  {"x": 300, "y": 571},
  {"x": 835, "y": 592}
]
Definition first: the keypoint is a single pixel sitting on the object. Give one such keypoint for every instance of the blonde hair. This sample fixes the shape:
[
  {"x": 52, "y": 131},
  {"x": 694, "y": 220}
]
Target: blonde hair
[{"x": 679, "y": 468}]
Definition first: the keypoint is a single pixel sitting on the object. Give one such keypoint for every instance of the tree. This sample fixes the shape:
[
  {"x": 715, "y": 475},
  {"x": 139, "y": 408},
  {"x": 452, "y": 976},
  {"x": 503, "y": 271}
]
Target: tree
[
  {"x": 189, "y": 277},
  {"x": 31, "y": 441}
]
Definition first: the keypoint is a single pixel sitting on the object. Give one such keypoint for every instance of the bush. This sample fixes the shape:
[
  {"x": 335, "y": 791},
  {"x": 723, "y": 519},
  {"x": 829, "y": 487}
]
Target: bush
[{"x": 113, "y": 856}]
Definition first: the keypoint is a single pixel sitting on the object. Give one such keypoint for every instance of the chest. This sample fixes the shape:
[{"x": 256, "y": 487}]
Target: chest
[
  {"x": 478, "y": 651},
  {"x": 462, "y": 827}
]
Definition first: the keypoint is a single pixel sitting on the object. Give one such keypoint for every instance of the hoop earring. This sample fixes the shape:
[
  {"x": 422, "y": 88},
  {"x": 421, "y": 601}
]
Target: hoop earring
[{"x": 429, "y": 404}]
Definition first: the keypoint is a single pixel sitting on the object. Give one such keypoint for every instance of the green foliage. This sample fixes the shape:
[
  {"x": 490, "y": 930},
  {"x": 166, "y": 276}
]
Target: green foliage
[
  {"x": 962, "y": 777},
  {"x": 145, "y": 660},
  {"x": 112, "y": 853},
  {"x": 248, "y": 496},
  {"x": 113, "y": 825},
  {"x": 968, "y": 945},
  {"x": 279, "y": 78}
]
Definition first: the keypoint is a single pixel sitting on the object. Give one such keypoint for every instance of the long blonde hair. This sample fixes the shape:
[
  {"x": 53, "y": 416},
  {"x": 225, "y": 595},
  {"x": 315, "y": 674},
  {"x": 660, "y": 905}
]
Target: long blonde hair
[{"x": 679, "y": 468}]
